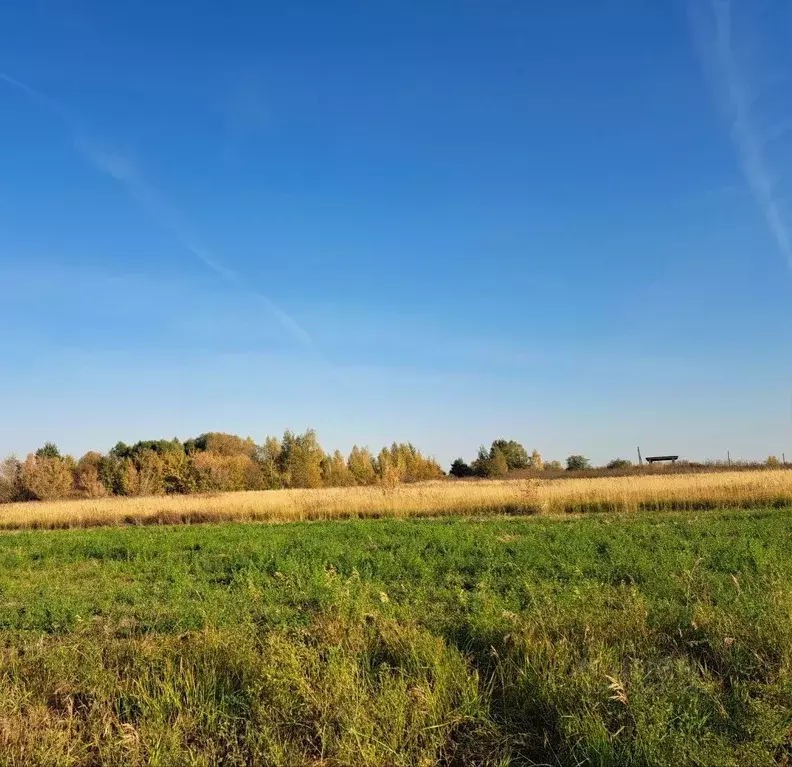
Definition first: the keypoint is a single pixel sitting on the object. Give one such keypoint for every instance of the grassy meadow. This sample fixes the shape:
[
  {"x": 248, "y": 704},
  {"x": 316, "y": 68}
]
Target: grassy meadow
[
  {"x": 609, "y": 639},
  {"x": 643, "y": 492}
]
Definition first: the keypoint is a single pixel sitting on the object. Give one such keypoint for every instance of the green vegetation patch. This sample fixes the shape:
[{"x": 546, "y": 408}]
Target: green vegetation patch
[{"x": 615, "y": 640}]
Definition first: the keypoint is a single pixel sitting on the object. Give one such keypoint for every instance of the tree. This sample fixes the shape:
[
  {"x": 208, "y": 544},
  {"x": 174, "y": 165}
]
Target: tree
[
  {"x": 301, "y": 459},
  {"x": 498, "y": 464},
  {"x": 481, "y": 465},
  {"x": 335, "y": 472},
  {"x": 158, "y": 446},
  {"x": 772, "y": 462},
  {"x": 49, "y": 450},
  {"x": 461, "y": 469},
  {"x": 220, "y": 473},
  {"x": 10, "y": 488},
  {"x": 267, "y": 459},
  {"x": 493, "y": 462},
  {"x": 619, "y": 463},
  {"x": 391, "y": 467},
  {"x": 111, "y": 474},
  {"x": 121, "y": 450},
  {"x": 361, "y": 466},
  {"x": 415, "y": 467},
  {"x": 128, "y": 478},
  {"x": 178, "y": 473},
  {"x": 87, "y": 479},
  {"x": 537, "y": 464},
  {"x": 515, "y": 454},
  {"x": 222, "y": 444},
  {"x": 150, "y": 473},
  {"x": 46, "y": 478},
  {"x": 577, "y": 463},
  {"x": 553, "y": 466}
]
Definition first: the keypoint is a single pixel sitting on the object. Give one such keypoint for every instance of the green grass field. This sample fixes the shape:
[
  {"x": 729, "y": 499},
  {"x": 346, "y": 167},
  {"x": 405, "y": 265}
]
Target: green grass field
[{"x": 607, "y": 640}]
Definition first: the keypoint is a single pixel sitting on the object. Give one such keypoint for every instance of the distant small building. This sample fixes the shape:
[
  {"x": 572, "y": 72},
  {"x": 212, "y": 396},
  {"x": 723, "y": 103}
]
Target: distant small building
[{"x": 661, "y": 458}]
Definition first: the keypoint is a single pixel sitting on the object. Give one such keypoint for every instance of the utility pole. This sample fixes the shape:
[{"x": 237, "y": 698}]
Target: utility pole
[
  {"x": 728, "y": 457},
  {"x": 640, "y": 460}
]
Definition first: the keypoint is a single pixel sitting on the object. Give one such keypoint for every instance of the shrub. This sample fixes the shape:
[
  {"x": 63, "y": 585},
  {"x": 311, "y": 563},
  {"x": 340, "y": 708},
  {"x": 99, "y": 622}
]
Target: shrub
[
  {"x": 772, "y": 461},
  {"x": 553, "y": 466},
  {"x": 619, "y": 463}
]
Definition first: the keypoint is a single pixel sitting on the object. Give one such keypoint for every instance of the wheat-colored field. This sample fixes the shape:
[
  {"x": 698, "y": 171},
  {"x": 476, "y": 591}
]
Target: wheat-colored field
[{"x": 632, "y": 493}]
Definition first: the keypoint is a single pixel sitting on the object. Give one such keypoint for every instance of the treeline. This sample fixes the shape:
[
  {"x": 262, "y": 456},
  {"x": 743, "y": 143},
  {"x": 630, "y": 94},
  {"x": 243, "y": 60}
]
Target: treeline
[
  {"x": 507, "y": 457},
  {"x": 212, "y": 462}
]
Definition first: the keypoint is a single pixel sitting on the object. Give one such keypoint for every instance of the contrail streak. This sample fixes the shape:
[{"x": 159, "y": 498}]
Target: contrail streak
[
  {"x": 152, "y": 202},
  {"x": 738, "y": 99}
]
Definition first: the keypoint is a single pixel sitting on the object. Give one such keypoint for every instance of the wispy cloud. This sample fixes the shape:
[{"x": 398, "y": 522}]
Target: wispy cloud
[
  {"x": 125, "y": 171},
  {"x": 735, "y": 84}
]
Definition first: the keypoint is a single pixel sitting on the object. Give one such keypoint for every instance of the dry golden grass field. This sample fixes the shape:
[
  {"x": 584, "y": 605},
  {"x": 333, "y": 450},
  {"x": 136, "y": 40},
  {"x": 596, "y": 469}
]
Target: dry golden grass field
[{"x": 719, "y": 490}]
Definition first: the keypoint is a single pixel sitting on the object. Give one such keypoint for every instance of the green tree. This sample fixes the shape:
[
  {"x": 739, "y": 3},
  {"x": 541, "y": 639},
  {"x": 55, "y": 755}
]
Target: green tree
[
  {"x": 515, "y": 454},
  {"x": 553, "y": 466},
  {"x": 619, "y": 463},
  {"x": 112, "y": 473},
  {"x": 481, "y": 465},
  {"x": 577, "y": 463},
  {"x": 120, "y": 450},
  {"x": 48, "y": 450},
  {"x": 461, "y": 469}
]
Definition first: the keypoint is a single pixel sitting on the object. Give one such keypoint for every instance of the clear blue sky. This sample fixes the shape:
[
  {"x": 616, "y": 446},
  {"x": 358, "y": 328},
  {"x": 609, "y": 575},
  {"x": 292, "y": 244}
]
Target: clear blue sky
[{"x": 563, "y": 223}]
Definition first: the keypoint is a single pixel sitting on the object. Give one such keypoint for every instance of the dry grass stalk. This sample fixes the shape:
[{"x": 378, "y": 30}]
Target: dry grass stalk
[{"x": 630, "y": 493}]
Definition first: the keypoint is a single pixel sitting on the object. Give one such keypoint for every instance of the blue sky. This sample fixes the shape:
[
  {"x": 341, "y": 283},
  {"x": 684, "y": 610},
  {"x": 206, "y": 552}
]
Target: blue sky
[{"x": 564, "y": 223}]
